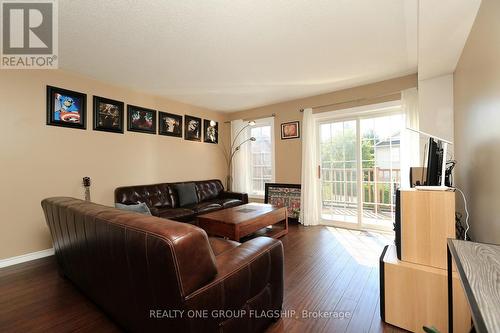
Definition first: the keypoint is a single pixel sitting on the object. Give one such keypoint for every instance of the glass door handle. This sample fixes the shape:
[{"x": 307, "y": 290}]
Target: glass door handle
[{"x": 319, "y": 171}]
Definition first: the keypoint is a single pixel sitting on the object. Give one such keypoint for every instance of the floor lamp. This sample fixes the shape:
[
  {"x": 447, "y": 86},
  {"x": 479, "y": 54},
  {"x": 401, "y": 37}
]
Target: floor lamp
[{"x": 232, "y": 152}]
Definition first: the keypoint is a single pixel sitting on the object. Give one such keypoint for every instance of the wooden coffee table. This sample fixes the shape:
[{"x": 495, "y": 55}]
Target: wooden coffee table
[{"x": 237, "y": 222}]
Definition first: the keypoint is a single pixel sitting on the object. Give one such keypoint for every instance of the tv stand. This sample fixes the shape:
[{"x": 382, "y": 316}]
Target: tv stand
[{"x": 413, "y": 277}]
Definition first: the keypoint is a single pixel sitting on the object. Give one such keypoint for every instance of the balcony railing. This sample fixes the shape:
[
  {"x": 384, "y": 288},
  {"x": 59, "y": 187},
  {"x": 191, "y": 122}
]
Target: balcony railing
[{"x": 378, "y": 186}]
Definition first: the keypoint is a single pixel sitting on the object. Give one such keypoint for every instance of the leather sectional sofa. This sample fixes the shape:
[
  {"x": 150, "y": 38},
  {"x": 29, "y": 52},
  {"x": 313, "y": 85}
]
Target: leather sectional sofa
[
  {"x": 155, "y": 275},
  {"x": 163, "y": 201}
]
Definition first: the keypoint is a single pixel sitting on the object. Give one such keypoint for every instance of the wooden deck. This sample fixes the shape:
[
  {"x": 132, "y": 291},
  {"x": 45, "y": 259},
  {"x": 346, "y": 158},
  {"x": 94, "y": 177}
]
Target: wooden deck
[{"x": 326, "y": 269}]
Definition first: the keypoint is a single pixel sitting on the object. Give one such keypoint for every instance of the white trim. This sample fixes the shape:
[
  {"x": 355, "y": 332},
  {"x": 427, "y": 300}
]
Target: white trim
[{"x": 26, "y": 257}]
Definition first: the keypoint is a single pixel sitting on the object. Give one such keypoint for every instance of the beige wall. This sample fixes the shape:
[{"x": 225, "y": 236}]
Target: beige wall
[
  {"x": 477, "y": 123},
  {"x": 39, "y": 161},
  {"x": 288, "y": 152}
]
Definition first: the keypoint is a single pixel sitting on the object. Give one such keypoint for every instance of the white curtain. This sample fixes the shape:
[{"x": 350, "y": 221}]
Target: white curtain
[
  {"x": 410, "y": 141},
  {"x": 239, "y": 168},
  {"x": 309, "y": 194}
]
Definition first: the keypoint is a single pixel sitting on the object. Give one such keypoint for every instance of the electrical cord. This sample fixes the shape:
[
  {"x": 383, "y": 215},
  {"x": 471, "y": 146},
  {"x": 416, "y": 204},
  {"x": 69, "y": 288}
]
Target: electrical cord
[{"x": 466, "y": 212}]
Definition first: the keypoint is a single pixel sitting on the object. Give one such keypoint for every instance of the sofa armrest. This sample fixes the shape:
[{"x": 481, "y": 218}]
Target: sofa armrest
[
  {"x": 234, "y": 195},
  {"x": 249, "y": 282}
]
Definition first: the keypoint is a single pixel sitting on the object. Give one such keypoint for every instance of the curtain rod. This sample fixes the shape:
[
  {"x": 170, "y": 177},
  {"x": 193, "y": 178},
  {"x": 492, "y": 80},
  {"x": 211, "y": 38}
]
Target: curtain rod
[
  {"x": 332, "y": 104},
  {"x": 353, "y": 100},
  {"x": 257, "y": 118},
  {"x": 260, "y": 117}
]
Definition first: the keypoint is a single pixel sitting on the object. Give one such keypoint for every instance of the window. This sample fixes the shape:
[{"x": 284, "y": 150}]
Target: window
[{"x": 261, "y": 157}]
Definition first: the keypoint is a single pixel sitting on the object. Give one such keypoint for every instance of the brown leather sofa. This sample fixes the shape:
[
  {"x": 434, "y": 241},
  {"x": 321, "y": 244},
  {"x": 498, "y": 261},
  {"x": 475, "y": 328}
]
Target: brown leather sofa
[
  {"x": 140, "y": 268},
  {"x": 163, "y": 201}
]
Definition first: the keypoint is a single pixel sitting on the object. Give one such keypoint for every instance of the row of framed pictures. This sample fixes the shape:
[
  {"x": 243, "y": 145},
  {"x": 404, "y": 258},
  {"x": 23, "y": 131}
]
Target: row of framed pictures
[{"x": 68, "y": 109}]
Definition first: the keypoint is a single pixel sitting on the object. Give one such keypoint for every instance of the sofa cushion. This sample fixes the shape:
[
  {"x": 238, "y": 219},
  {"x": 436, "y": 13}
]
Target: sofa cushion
[
  {"x": 186, "y": 193},
  {"x": 175, "y": 213},
  {"x": 227, "y": 203},
  {"x": 205, "y": 207},
  {"x": 139, "y": 208},
  {"x": 209, "y": 189},
  {"x": 155, "y": 195},
  {"x": 221, "y": 245}
]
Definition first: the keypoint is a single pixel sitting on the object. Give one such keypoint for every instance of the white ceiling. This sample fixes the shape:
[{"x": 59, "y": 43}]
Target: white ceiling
[
  {"x": 232, "y": 55},
  {"x": 444, "y": 26}
]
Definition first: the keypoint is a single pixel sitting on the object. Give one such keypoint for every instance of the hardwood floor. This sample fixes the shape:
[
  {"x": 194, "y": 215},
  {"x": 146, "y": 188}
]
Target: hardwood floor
[
  {"x": 327, "y": 269},
  {"x": 332, "y": 270}
]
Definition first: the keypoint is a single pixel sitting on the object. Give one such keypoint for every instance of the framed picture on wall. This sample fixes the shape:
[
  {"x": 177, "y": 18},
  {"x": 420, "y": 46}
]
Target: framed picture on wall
[
  {"x": 141, "y": 119},
  {"x": 66, "y": 108},
  {"x": 108, "y": 115},
  {"x": 192, "y": 128},
  {"x": 170, "y": 124},
  {"x": 211, "y": 131},
  {"x": 290, "y": 130}
]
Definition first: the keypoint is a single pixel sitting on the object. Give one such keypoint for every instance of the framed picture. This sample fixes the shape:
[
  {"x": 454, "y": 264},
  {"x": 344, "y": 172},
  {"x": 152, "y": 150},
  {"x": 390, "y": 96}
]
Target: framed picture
[
  {"x": 192, "y": 128},
  {"x": 66, "y": 108},
  {"x": 290, "y": 130},
  {"x": 141, "y": 119},
  {"x": 284, "y": 195},
  {"x": 108, "y": 115},
  {"x": 170, "y": 124},
  {"x": 211, "y": 131}
]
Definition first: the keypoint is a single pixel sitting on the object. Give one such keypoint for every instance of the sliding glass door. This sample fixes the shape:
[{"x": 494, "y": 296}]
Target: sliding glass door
[
  {"x": 339, "y": 171},
  {"x": 359, "y": 162}
]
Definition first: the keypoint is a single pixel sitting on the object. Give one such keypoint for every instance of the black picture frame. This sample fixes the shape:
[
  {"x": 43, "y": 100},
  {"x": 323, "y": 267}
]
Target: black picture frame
[
  {"x": 138, "y": 125},
  {"x": 291, "y": 202},
  {"x": 210, "y": 131},
  {"x": 75, "y": 104},
  {"x": 170, "y": 124},
  {"x": 108, "y": 115},
  {"x": 287, "y": 136},
  {"x": 192, "y": 133}
]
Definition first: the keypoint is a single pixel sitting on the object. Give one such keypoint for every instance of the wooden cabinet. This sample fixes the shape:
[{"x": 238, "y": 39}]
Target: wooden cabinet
[
  {"x": 414, "y": 290},
  {"x": 427, "y": 221},
  {"x": 417, "y": 295}
]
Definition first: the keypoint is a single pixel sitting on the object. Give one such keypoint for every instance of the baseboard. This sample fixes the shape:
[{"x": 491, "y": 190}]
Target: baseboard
[{"x": 26, "y": 257}]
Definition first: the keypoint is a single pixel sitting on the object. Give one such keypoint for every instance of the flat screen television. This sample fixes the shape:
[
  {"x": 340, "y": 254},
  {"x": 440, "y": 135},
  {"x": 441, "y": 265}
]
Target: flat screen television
[{"x": 434, "y": 163}]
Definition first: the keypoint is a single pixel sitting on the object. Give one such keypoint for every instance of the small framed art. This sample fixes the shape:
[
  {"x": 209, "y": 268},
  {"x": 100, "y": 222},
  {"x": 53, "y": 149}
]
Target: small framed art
[
  {"x": 108, "y": 115},
  {"x": 170, "y": 124},
  {"x": 290, "y": 130},
  {"x": 66, "y": 108},
  {"x": 141, "y": 119},
  {"x": 192, "y": 128},
  {"x": 211, "y": 131}
]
